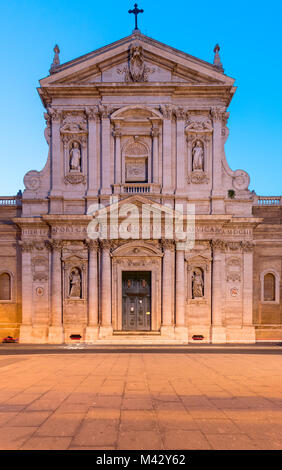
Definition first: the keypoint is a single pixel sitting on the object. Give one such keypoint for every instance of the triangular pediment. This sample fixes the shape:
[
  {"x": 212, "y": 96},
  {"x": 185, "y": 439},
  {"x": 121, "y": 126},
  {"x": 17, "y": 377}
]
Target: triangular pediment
[
  {"x": 162, "y": 64},
  {"x": 137, "y": 201}
]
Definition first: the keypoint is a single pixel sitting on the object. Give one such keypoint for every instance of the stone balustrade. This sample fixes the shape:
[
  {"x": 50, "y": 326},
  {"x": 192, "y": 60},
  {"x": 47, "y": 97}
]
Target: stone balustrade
[
  {"x": 268, "y": 201},
  {"x": 136, "y": 188},
  {"x": 10, "y": 201}
]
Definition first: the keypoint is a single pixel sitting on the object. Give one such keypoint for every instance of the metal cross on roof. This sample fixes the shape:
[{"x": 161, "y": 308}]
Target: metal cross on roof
[{"x": 136, "y": 11}]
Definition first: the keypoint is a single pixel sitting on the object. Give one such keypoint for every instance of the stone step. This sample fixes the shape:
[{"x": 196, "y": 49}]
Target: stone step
[{"x": 130, "y": 340}]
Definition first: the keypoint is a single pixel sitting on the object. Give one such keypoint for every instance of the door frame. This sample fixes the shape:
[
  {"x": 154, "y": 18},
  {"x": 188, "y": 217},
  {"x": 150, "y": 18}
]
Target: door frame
[
  {"x": 137, "y": 256},
  {"x": 148, "y": 275}
]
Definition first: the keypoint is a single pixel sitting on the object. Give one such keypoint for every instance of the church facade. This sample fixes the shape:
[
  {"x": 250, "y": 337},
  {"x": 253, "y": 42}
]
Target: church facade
[{"x": 136, "y": 131}]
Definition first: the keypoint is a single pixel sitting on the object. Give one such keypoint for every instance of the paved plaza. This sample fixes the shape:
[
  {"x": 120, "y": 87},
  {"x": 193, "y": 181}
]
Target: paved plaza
[{"x": 144, "y": 400}]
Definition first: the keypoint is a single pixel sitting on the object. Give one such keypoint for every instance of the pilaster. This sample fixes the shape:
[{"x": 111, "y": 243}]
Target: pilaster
[
  {"x": 106, "y": 328},
  {"x": 93, "y": 159},
  {"x": 26, "y": 326},
  {"x": 167, "y": 167},
  {"x": 181, "y": 330},
  {"x": 56, "y": 335},
  {"x": 218, "y": 195},
  {"x": 167, "y": 328},
  {"x": 105, "y": 150},
  {"x": 180, "y": 151},
  {"x": 218, "y": 331},
  {"x": 92, "y": 328}
]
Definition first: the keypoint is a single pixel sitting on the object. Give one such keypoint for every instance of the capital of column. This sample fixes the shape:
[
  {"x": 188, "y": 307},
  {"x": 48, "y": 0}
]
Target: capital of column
[
  {"x": 92, "y": 245},
  {"x": 26, "y": 247},
  {"x": 180, "y": 113},
  {"x": 103, "y": 111},
  {"x": 54, "y": 245},
  {"x": 92, "y": 113},
  {"x": 166, "y": 111},
  {"x": 155, "y": 132},
  {"x": 247, "y": 246},
  {"x": 106, "y": 244},
  {"x": 167, "y": 244},
  {"x": 55, "y": 114},
  {"x": 116, "y": 132},
  {"x": 218, "y": 113},
  {"x": 218, "y": 246}
]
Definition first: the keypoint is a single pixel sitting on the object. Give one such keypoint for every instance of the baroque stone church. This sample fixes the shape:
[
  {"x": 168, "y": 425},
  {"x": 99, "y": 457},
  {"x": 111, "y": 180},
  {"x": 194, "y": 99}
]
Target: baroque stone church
[{"x": 142, "y": 124}]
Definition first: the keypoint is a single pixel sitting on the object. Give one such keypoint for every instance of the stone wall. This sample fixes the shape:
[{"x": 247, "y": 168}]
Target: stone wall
[{"x": 10, "y": 308}]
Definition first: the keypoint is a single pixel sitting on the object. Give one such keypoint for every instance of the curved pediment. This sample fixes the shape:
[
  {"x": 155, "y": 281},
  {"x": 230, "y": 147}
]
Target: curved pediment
[
  {"x": 137, "y": 249},
  {"x": 136, "y": 112}
]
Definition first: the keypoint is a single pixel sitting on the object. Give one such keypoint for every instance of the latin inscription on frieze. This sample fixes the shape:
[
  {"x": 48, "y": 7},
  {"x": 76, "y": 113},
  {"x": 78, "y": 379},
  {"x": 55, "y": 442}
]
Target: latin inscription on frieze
[
  {"x": 223, "y": 231},
  {"x": 35, "y": 231},
  {"x": 69, "y": 229}
]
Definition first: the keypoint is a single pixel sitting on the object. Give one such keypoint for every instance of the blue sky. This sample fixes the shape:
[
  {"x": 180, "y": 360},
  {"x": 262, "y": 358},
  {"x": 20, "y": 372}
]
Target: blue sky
[{"x": 249, "y": 34}]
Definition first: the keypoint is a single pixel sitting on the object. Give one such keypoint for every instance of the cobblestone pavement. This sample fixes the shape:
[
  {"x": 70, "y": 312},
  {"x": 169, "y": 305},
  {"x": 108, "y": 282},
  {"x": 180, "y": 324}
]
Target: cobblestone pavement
[{"x": 141, "y": 401}]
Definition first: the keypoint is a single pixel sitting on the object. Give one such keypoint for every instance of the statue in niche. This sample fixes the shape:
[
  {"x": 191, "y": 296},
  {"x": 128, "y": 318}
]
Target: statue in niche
[
  {"x": 197, "y": 284},
  {"x": 198, "y": 156},
  {"x": 75, "y": 157},
  {"x": 75, "y": 283}
]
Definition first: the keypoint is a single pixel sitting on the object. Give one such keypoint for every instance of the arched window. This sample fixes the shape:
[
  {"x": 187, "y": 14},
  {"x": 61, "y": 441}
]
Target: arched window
[
  {"x": 269, "y": 287},
  {"x": 5, "y": 286}
]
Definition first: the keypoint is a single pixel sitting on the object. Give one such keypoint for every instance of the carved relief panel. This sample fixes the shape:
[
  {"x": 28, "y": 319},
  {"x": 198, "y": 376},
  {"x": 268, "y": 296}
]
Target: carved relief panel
[{"x": 136, "y": 161}]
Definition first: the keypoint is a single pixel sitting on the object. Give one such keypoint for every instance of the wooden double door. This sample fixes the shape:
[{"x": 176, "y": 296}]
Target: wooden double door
[{"x": 136, "y": 300}]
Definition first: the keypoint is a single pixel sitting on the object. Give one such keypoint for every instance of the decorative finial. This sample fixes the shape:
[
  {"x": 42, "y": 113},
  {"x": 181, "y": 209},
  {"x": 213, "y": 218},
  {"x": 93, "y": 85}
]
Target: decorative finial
[
  {"x": 56, "y": 60},
  {"x": 216, "y": 61},
  {"x": 136, "y": 11}
]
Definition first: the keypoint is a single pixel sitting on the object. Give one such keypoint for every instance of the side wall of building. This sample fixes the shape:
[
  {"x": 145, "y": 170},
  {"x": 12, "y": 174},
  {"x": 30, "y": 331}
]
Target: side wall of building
[
  {"x": 10, "y": 270},
  {"x": 267, "y": 307}
]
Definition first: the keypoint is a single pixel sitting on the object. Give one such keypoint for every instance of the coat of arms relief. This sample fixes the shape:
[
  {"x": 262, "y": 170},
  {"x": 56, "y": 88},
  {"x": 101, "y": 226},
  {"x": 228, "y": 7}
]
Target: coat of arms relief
[{"x": 136, "y": 70}]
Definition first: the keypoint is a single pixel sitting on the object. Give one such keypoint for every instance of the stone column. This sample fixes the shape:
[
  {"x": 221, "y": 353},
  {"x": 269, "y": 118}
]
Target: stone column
[
  {"x": 248, "y": 333},
  {"x": 56, "y": 334},
  {"x": 56, "y": 159},
  {"x": 93, "y": 173},
  {"x": 93, "y": 292},
  {"x": 180, "y": 150},
  {"x": 217, "y": 193},
  {"x": 167, "y": 167},
  {"x": 218, "y": 333},
  {"x": 167, "y": 328},
  {"x": 181, "y": 330},
  {"x": 26, "y": 326},
  {"x": 117, "y": 135},
  {"x": 106, "y": 151},
  {"x": 106, "y": 328},
  {"x": 155, "y": 136}
]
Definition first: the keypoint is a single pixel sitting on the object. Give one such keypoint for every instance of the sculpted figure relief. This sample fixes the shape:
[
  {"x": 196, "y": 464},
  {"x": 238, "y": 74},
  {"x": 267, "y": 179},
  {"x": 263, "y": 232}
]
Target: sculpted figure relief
[
  {"x": 75, "y": 283},
  {"x": 198, "y": 156},
  {"x": 136, "y": 64},
  {"x": 75, "y": 157},
  {"x": 197, "y": 284}
]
